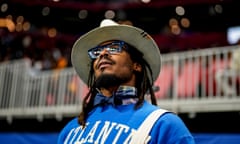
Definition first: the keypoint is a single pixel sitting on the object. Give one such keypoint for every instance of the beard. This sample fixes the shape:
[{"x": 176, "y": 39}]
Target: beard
[{"x": 109, "y": 80}]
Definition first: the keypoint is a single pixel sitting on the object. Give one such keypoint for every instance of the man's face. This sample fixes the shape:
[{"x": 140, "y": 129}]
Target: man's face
[{"x": 113, "y": 68}]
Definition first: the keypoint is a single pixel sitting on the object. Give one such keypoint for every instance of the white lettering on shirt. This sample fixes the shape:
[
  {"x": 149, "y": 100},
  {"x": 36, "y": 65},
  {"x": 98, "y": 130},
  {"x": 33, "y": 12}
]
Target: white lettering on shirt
[{"x": 100, "y": 133}]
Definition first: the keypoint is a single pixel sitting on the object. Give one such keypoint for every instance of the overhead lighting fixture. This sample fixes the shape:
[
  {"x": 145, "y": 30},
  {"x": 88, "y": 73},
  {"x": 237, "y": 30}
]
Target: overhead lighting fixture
[{"x": 180, "y": 10}]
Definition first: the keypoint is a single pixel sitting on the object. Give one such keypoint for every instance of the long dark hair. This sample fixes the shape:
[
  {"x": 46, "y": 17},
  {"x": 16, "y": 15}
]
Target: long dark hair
[{"x": 144, "y": 84}]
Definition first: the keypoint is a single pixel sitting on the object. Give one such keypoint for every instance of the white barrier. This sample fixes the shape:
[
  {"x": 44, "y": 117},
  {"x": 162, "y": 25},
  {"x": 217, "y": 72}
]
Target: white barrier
[{"x": 187, "y": 85}]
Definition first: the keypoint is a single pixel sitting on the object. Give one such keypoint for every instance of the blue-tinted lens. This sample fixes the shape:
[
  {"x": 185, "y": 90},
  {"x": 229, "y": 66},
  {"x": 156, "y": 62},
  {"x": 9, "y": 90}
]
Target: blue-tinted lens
[{"x": 112, "y": 48}]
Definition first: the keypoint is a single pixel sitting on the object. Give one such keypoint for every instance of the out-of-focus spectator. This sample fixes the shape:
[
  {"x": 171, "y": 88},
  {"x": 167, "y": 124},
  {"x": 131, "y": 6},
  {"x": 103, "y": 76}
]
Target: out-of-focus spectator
[
  {"x": 61, "y": 60},
  {"x": 223, "y": 77},
  {"x": 48, "y": 60},
  {"x": 36, "y": 68}
]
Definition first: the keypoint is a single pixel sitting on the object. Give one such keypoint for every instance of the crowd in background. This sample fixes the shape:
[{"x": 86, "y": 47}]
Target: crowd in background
[
  {"x": 53, "y": 53},
  {"x": 45, "y": 53}
]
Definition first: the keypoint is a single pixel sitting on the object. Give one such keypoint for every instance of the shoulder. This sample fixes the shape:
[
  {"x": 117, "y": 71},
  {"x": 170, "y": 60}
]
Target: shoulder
[
  {"x": 72, "y": 123},
  {"x": 149, "y": 107},
  {"x": 167, "y": 118},
  {"x": 170, "y": 119},
  {"x": 67, "y": 128},
  {"x": 172, "y": 128},
  {"x": 168, "y": 128}
]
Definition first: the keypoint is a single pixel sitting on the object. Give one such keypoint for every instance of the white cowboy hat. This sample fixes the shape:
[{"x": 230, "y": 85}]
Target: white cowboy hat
[{"x": 110, "y": 30}]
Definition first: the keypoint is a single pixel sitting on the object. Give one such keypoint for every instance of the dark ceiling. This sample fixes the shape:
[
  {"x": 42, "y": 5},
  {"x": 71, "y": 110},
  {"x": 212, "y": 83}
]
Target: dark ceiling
[{"x": 207, "y": 26}]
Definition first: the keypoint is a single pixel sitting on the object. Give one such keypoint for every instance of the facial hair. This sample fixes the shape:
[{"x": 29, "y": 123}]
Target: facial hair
[{"x": 109, "y": 80}]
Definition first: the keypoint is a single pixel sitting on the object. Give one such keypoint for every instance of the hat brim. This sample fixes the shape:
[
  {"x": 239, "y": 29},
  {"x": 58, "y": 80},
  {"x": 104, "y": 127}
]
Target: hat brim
[{"x": 131, "y": 35}]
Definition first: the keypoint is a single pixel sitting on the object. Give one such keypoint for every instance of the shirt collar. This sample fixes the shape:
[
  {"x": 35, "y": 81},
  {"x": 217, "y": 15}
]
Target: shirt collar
[
  {"x": 123, "y": 96},
  {"x": 126, "y": 92}
]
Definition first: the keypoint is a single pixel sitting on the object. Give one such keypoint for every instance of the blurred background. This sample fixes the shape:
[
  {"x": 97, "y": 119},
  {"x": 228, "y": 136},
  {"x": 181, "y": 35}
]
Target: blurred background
[
  {"x": 40, "y": 92},
  {"x": 33, "y": 27}
]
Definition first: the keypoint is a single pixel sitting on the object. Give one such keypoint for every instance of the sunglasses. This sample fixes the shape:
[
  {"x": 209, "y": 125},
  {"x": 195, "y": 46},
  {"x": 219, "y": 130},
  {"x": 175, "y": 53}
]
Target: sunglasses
[{"x": 112, "y": 48}]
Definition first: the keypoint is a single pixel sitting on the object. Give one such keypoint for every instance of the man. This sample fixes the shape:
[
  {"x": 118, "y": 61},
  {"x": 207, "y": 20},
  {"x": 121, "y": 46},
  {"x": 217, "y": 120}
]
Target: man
[
  {"x": 232, "y": 72},
  {"x": 124, "y": 62}
]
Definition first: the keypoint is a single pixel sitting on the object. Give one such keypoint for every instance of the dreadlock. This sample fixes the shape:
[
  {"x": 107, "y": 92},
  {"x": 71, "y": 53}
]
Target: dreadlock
[{"x": 144, "y": 84}]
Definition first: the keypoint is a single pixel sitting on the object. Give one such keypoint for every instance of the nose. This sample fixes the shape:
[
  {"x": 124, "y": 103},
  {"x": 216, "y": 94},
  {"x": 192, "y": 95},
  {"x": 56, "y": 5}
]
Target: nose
[{"x": 103, "y": 53}]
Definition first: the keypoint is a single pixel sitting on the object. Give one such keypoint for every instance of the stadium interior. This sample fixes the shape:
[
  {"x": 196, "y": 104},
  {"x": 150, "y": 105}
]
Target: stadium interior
[{"x": 36, "y": 37}]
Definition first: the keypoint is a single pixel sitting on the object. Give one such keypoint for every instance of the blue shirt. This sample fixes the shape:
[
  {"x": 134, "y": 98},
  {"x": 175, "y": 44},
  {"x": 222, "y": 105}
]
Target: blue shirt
[{"x": 115, "y": 124}]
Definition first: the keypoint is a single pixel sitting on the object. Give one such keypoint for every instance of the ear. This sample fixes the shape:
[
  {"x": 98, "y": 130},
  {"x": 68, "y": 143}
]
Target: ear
[{"x": 137, "y": 67}]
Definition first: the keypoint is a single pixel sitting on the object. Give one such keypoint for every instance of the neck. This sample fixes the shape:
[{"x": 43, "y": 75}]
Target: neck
[{"x": 108, "y": 91}]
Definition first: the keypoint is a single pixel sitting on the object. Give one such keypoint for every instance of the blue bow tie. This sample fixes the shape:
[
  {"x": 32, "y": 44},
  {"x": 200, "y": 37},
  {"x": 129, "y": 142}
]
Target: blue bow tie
[
  {"x": 103, "y": 100},
  {"x": 124, "y": 95}
]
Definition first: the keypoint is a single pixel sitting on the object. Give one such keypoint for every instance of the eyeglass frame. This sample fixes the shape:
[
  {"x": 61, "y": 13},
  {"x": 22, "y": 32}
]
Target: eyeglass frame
[{"x": 121, "y": 45}]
